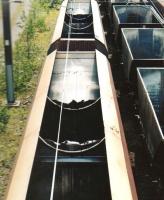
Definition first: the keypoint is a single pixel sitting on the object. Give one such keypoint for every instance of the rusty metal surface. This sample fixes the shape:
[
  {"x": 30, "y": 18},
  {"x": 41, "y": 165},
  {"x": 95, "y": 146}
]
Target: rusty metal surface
[{"x": 117, "y": 152}]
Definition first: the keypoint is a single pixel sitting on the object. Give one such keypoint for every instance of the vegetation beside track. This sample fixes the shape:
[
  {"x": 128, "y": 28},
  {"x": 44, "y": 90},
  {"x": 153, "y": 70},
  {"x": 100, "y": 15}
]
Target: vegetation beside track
[{"x": 29, "y": 54}]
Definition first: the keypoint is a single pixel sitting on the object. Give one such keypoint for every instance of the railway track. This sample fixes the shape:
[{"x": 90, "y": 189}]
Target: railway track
[{"x": 74, "y": 146}]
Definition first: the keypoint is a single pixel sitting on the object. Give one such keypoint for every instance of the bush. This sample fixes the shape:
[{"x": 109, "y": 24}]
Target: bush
[
  {"x": 40, "y": 25},
  {"x": 27, "y": 48}
]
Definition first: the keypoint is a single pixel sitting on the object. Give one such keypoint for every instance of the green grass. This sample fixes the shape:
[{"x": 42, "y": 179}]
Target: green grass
[
  {"x": 0, "y": 7},
  {"x": 26, "y": 72}
]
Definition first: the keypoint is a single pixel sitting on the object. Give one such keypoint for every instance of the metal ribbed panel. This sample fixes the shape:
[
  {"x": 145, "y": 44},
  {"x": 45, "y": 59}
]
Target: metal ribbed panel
[{"x": 149, "y": 91}]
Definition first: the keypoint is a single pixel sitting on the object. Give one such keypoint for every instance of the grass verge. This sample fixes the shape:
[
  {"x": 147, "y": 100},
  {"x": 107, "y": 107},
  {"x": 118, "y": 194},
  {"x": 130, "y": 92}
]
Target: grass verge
[{"x": 29, "y": 55}]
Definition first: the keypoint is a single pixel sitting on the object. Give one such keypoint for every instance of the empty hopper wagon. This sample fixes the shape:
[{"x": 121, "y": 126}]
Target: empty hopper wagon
[
  {"x": 74, "y": 145},
  {"x": 112, "y": 3},
  {"x": 134, "y": 16},
  {"x": 81, "y": 20},
  {"x": 141, "y": 47},
  {"x": 151, "y": 100}
]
